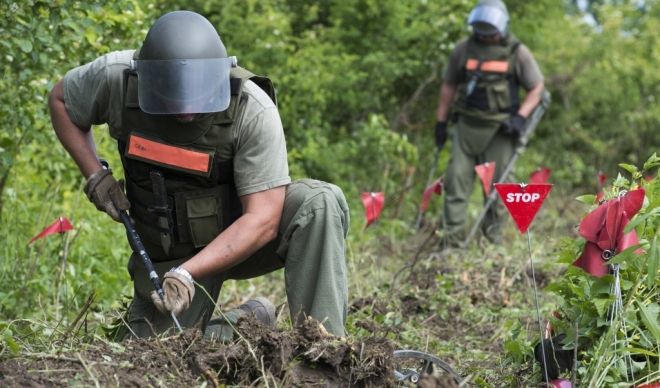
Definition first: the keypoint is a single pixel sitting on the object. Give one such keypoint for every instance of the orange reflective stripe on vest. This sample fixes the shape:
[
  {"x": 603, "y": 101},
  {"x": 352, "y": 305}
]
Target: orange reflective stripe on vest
[
  {"x": 492, "y": 66},
  {"x": 169, "y": 155}
]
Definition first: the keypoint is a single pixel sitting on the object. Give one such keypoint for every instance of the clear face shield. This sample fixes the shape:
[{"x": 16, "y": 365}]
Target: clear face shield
[
  {"x": 184, "y": 86},
  {"x": 489, "y": 20}
]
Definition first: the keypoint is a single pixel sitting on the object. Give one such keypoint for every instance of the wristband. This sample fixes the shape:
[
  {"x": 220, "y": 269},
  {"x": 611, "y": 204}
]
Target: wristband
[{"x": 184, "y": 273}]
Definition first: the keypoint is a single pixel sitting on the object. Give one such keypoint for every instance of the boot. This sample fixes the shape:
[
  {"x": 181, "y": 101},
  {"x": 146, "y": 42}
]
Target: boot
[{"x": 221, "y": 327}]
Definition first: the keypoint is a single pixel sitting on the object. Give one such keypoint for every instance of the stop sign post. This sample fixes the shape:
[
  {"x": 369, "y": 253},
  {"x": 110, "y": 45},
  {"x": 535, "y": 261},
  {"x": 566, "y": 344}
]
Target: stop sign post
[{"x": 523, "y": 202}]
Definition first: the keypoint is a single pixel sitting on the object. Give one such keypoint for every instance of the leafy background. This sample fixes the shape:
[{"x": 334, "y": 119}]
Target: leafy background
[{"x": 357, "y": 84}]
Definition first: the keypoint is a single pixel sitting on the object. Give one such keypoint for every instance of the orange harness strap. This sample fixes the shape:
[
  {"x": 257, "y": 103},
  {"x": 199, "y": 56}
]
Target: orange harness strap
[
  {"x": 168, "y": 155},
  {"x": 491, "y": 66}
]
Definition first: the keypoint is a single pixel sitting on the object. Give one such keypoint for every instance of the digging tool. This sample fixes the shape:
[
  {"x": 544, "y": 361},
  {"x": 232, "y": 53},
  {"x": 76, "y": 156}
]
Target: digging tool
[
  {"x": 137, "y": 244},
  {"x": 530, "y": 126}
]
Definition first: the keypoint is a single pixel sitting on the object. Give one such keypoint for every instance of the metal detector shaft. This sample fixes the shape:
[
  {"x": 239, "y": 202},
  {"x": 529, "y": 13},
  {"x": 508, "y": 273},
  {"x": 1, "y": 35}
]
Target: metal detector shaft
[
  {"x": 137, "y": 244},
  {"x": 530, "y": 127},
  {"x": 428, "y": 183}
]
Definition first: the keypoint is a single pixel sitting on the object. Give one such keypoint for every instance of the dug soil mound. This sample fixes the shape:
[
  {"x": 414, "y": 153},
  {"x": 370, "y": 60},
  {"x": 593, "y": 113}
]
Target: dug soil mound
[{"x": 301, "y": 357}]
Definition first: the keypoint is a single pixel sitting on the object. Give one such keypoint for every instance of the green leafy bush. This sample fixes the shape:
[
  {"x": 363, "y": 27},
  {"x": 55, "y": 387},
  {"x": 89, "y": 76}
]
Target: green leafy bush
[{"x": 608, "y": 350}]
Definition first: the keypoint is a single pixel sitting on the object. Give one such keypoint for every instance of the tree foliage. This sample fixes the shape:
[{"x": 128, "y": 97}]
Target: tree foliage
[{"x": 39, "y": 43}]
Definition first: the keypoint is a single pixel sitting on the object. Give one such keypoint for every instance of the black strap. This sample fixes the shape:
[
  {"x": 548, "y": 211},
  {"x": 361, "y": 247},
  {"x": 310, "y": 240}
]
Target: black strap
[
  {"x": 127, "y": 73},
  {"x": 235, "y": 84}
]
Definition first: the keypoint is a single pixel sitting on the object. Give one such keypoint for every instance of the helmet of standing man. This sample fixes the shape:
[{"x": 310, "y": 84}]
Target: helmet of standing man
[
  {"x": 183, "y": 66},
  {"x": 489, "y": 17}
]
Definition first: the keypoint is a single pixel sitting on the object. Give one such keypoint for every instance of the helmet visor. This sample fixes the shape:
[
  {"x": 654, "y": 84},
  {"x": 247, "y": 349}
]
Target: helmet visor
[
  {"x": 184, "y": 85},
  {"x": 491, "y": 16}
]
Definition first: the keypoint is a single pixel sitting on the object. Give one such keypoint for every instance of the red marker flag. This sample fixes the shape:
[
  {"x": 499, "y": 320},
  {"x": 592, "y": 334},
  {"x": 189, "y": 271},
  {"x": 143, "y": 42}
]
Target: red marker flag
[
  {"x": 485, "y": 172},
  {"x": 561, "y": 383},
  {"x": 435, "y": 187},
  {"x": 60, "y": 225},
  {"x": 541, "y": 175},
  {"x": 601, "y": 179},
  {"x": 603, "y": 229},
  {"x": 373, "y": 204},
  {"x": 523, "y": 201},
  {"x": 652, "y": 385}
]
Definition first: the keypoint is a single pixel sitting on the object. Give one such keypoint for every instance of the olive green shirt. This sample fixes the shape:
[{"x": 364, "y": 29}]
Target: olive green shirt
[
  {"x": 93, "y": 96},
  {"x": 527, "y": 71}
]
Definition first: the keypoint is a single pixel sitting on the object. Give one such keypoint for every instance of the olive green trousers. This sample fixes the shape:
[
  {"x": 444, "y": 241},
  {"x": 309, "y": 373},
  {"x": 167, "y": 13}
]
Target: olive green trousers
[
  {"x": 458, "y": 185},
  {"x": 310, "y": 246}
]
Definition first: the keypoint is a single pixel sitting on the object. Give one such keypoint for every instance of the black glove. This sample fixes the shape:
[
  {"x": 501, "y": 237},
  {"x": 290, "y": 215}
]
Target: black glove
[
  {"x": 515, "y": 125},
  {"x": 558, "y": 359},
  {"x": 440, "y": 133}
]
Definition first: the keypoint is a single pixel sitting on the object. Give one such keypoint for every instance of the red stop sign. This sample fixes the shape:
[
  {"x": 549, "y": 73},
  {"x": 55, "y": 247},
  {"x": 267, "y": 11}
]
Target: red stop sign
[{"x": 523, "y": 201}]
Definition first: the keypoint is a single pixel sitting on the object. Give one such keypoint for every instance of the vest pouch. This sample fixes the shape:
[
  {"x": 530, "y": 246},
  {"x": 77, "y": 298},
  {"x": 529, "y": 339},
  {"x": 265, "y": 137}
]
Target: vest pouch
[
  {"x": 201, "y": 216},
  {"x": 500, "y": 96},
  {"x": 203, "y": 219}
]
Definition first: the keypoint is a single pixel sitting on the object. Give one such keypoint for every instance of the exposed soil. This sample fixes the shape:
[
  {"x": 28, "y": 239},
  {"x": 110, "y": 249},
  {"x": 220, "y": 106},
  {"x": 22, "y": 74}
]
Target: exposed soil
[{"x": 303, "y": 357}]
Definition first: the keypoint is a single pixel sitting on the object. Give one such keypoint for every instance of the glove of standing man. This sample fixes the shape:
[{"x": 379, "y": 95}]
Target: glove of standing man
[
  {"x": 179, "y": 291},
  {"x": 440, "y": 133},
  {"x": 515, "y": 125},
  {"x": 106, "y": 193}
]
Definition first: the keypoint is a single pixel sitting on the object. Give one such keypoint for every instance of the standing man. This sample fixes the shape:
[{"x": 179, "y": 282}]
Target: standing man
[
  {"x": 481, "y": 82},
  {"x": 207, "y": 180}
]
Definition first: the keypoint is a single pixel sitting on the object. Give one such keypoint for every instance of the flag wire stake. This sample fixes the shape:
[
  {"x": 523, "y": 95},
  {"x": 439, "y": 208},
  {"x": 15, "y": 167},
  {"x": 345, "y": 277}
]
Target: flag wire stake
[{"x": 538, "y": 308}]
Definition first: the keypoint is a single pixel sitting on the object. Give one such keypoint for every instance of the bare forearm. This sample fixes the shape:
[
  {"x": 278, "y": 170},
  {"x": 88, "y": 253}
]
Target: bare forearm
[
  {"x": 254, "y": 229},
  {"x": 532, "y": 99},
  {"x": 447, "y": 92},
  {"x": 78, "y": 142}
]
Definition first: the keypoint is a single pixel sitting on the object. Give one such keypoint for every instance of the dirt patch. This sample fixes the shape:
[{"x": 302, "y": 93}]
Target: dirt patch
[
  {"x": 369, "y": 303},
  {"x": 303, "y": 356},
  {"x": 431, "y": 381}
]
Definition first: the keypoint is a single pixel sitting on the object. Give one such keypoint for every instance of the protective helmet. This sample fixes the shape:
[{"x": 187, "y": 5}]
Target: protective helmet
[
  {"x": 183, "y": 66},
  {"x": 489, "y": 17}
]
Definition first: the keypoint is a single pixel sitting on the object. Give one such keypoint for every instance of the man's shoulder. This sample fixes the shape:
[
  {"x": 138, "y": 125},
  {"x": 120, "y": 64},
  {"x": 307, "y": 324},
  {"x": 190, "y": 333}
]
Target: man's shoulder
[
  {"x": 115, "y": 60},
  {"x": 122, "y": 57},
  {"x": 108, "y": 65},
  {"x": 461, "y": 46},
  {"x": 257, "y": 96},
  {"x": 522, "y": 48},
  {"x": 524, "y": 54}
]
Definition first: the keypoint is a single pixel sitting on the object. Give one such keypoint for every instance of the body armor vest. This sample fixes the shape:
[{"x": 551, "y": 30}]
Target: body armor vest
[
  {"x": 196, "y": 198},
  {"x": 488, "y": 88}
]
